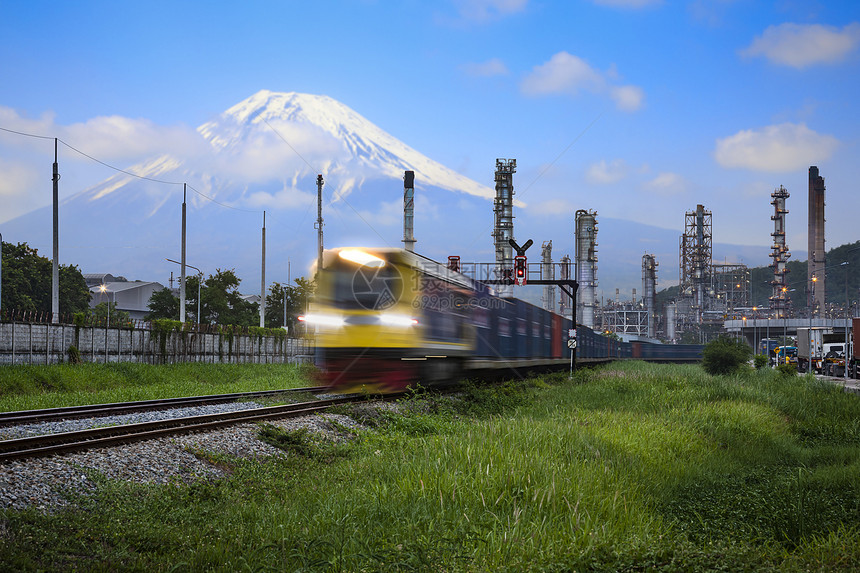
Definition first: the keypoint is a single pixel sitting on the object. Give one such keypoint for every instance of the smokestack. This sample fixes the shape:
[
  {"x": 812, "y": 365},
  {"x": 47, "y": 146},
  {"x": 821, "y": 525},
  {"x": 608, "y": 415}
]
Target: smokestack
[
  {"x": 815, "y": 267},
  {"x": 409, "y": 210}
]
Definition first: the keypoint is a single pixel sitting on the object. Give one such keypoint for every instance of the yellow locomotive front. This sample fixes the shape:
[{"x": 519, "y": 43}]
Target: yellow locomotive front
[{"x": 370, "y": 325}]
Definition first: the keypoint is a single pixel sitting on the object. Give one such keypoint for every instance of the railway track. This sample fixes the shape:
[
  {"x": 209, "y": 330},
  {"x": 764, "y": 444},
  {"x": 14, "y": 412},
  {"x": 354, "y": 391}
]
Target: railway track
[
  {"x": 96, "y": 410},
  {"x": 50, "y": 444}
]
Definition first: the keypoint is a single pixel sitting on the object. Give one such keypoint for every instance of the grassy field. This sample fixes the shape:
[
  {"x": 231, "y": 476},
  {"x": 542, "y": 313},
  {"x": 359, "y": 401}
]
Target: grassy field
[
  {"x": 628, "y": 467},
  {"x": 35, "y": 387}
]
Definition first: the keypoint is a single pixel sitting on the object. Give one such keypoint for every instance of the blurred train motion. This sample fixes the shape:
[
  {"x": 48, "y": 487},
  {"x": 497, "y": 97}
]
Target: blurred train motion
[{"x": 389, "y": 318}]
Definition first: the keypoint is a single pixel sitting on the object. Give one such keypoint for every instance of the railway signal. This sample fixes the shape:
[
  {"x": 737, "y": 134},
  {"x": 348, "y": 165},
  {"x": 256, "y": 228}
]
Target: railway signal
[{"x": 520, "y": 270}]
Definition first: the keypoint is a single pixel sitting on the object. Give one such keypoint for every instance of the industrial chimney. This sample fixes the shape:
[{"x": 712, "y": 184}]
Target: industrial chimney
[
  {"x": 409, "y": 210},
  {"x": 815, "y": 267}
]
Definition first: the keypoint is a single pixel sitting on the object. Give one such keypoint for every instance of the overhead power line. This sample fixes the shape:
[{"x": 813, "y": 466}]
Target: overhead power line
[{"x": 129, "y": 173}]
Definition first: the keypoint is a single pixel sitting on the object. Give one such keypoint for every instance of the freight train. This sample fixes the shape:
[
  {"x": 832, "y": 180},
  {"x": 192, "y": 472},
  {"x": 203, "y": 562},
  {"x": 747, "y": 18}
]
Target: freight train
[{"x": 386, "y": 319}]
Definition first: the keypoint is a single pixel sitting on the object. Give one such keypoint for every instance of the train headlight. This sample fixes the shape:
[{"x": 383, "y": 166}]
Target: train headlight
[
  {"x": 325, "y": 320},
  {"x": 401, "y": 320},
  {"x": 362, "y": 258}
]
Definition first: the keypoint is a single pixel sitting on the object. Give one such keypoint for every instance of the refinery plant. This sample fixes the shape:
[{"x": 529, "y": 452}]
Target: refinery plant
[{"x": 710, "y": 298}]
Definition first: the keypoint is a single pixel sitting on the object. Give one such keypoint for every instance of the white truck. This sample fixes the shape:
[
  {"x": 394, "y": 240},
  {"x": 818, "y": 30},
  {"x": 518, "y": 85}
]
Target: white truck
[{"x": 810, "y": 348}]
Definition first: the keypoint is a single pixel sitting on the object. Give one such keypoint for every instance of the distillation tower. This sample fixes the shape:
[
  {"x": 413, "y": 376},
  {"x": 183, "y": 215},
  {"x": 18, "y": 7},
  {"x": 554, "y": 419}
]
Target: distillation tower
[
  {"x": 815, "y": 268},
  {"x": 503, "y": 230},
  {"x": 695, "y": 260},
  {"x": 564, "y": 308},
  {"x": 649, "y": 292},
  {"x": 779, "y": 301},
  {"x": 586, "y": 265},
  {"x": 547, "y": 272}
]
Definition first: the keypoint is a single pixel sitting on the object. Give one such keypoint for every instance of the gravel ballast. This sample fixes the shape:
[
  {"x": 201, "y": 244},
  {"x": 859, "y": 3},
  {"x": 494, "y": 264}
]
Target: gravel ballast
[{"x": 48, "y": 483}]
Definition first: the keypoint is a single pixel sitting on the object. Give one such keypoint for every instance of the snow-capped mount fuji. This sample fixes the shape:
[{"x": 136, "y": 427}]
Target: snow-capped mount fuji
[
  {"x": 288, "y": 137},
  {"x": 354, "y": 145},
  {"x": 262, "y": 154}
]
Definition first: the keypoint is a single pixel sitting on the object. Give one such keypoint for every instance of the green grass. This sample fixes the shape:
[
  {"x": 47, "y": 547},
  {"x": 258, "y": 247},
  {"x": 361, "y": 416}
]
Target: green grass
[
  {"x": 35, "y": 387},
  {"x": 626, "y": 468}
]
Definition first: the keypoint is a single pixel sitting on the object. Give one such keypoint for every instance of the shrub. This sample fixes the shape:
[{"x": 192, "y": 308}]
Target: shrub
[
  {"x": 74, "y": 355},
  {"x": 787, "y": 370},
  {"x": 760, "y": 361},
  {"x": 725, "y": 355}
]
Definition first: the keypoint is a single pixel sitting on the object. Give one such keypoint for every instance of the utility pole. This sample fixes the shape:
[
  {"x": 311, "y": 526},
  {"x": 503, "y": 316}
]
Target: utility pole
[
  {"x": 285, "y": 293},
  {"x": 55, "y": 276},
  {"x": 182, "y": 263},
  {"x": 263, "y": 279},
  {"x": 319, "y": 224}
]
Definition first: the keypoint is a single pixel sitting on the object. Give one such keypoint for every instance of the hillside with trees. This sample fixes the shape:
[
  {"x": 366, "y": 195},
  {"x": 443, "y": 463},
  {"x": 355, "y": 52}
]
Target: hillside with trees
[{"x": 843, "y": 280}]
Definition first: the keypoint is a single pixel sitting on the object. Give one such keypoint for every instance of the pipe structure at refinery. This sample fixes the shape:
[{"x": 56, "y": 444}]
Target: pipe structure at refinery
[
  {"x": 779, "y": 300},
  {"x": 586, "y": 265}
]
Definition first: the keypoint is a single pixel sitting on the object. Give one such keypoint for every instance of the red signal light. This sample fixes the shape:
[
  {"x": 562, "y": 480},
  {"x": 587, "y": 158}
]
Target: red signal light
[{"x": 520, "y": 270}]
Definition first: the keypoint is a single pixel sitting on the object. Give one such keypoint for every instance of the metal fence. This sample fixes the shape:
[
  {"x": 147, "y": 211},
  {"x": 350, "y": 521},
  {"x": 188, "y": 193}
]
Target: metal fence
[{"x": 41, "y": 343}]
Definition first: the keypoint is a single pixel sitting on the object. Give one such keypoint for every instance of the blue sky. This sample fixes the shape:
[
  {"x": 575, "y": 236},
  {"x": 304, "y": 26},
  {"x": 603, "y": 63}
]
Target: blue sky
[{"x": 639, "y": 109}]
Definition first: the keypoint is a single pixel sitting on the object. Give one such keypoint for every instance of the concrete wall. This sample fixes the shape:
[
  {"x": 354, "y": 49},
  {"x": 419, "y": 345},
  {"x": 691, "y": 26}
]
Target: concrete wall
[{"x": 28, "y": 343}]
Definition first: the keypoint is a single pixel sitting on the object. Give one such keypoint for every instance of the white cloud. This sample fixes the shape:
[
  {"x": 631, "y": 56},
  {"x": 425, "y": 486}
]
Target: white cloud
[
  {"x": 388, "y": 214},
  {"x": 553, "y": 208},
  {"x": 106, "y": 137},
  {"x": 482, "y": 10},
  {"x": 17, "y": 178},
  {"x": 490, "y": 68},
  {"x": 775, "y": 148},
  {"x": 286, "y": 198},
  {"x": 667, "y": 183},
  {"x": 565, "y": 73},
  {"x": 799, "y": 45},
  {"x": 603, "y": 173},
  {"x": 627, "y": 98},
  {"x": 116, "y": 137}
]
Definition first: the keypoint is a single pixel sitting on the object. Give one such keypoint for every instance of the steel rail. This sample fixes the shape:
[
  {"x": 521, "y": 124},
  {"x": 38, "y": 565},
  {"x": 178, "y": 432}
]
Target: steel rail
[
  {"x": 96, "y": 410},
  {"x": 50, "y": 444}
]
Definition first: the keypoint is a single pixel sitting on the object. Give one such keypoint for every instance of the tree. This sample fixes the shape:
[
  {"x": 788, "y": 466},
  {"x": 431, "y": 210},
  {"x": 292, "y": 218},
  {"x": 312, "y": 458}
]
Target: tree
[
  {"x": 725, "y": 355},
  {"x": 296, "y": 300},
  {"x": 113, "y": 317},
  {"x": 278, "y": 296},
  {"x": 193, "y": 285},
  {"x": 162, "y": 304},
  {"x": 222, "y": 303},
  {"x": 27, "y": 281},
  {"x": 74, "y": 294}
]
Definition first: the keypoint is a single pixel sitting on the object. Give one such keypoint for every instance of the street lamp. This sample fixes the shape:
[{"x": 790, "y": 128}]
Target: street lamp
[
  {"x": 104, "y": 289},
  {"x": 755, "y": 330},
  {"x": 809, "y": 334},
  {"x": 199, "y": 280}
]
